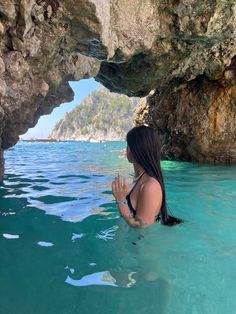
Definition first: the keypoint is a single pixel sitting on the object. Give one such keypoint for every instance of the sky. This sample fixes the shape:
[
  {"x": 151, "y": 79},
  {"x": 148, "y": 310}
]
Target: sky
[{"x": 46, "y": 123}]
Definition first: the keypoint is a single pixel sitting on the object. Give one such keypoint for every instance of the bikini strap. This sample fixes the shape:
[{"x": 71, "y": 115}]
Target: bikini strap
[{"x": 136, "y": 183}]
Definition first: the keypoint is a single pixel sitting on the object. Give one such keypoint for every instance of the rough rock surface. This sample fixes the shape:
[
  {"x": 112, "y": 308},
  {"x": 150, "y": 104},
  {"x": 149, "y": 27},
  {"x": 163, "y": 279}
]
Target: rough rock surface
[
  {"x": 196, "y": 120},
  {"x": 131, "y": 47}
]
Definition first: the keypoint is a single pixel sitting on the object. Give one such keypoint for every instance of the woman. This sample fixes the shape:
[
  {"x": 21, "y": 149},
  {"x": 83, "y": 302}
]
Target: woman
[{"x": 145, "y": 203}]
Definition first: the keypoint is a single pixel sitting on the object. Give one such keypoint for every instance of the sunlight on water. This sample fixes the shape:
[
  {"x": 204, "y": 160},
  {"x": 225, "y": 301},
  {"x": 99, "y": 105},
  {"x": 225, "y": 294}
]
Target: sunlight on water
[
  {"x": 100, "y": 278},
  {"x": 65, "y": 249}
]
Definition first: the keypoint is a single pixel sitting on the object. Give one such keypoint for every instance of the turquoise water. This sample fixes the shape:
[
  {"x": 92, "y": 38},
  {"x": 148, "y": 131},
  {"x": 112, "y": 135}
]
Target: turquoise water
[{"x": 64, "y": 248}]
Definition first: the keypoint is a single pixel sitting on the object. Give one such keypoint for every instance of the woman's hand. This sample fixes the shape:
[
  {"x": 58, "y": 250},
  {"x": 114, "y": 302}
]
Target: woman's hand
[
  {"x": 120, "y": 188},
  {"x": 123, "y": 153}
]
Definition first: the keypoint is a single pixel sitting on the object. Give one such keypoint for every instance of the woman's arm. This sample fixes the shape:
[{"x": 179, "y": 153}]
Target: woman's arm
[
  {"x": 148, "y": 203},
  {"x": 120, "y": 189},
  {"x": 132, "y": 221},
  {"x": 147, "y": 208}
]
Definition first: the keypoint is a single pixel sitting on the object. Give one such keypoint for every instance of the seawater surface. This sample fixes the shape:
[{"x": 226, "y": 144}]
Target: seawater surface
[{"x": 65, "y": 249}]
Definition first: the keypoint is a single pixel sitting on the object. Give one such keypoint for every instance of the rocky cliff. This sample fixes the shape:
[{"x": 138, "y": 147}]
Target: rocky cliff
[
  {"x": 183, "y": 49},
  {"x": 196, "y": 120},
  {"x": 102, "y": 116}
]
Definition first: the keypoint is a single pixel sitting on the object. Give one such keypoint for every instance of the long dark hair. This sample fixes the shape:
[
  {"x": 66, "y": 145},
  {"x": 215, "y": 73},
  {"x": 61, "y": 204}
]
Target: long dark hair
[{"x": 144, "y": 144}]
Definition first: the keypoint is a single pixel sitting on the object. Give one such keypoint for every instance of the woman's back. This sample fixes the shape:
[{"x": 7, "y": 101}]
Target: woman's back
[
  {"x": 133, "y": 196},
  {"x": 147, "y": 199}
]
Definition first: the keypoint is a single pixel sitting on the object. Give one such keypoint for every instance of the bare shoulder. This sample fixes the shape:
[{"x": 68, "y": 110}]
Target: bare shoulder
[
  {"x": 151, "y": 185},
  {"x": 149, "y": 200}
]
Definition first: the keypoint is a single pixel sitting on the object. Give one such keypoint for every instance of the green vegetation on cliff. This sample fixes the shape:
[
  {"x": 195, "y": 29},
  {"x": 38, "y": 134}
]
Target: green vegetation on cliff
[{"x": 101, "y": 116}]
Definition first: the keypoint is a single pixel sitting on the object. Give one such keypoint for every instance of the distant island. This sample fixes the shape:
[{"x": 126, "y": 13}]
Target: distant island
[
  {"x": 46, "y": 140},
  {"x": 102, "y": 116},
  {"x": 43, "y": 140}
]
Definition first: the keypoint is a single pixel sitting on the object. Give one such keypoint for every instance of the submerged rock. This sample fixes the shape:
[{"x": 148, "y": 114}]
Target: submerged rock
[{"x": 131, "y": 47}]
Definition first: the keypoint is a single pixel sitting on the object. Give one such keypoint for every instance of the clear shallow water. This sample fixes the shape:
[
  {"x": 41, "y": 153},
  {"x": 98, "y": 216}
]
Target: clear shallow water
[{"x": 64, "y": 248}]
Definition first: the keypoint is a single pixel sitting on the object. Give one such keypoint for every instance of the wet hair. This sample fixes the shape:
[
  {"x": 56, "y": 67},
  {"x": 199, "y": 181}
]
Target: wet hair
[{"x": 144, "y": 144}]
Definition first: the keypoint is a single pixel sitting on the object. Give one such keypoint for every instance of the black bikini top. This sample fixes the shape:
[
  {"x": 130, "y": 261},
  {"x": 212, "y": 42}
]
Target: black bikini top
[{"x": 133, "y": 210}]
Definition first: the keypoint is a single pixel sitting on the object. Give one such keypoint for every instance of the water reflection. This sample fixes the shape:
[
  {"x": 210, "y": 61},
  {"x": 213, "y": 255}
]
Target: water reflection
[
  {"x": 10, "y": 236},
  {"x": 176, "y": 269},
  {"x": 46, "y": 244},
  {"x": 103, "y": 278}
]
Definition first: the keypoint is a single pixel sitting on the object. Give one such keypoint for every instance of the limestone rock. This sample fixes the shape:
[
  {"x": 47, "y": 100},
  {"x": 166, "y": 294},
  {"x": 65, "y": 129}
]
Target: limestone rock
[
  {"x": 162, "y": 41},
  {"x": 131, "y": 47},
  {"x": 196, "y": 120},
  {"x": 7, "y": 8}
]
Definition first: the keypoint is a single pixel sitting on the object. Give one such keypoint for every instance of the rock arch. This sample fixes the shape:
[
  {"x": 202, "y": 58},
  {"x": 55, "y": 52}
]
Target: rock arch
[{"x": 183, "y": 50}]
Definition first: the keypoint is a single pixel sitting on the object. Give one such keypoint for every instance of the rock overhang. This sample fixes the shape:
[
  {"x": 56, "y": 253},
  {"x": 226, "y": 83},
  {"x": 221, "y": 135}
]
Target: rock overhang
[{"x": 130, "y": 47}]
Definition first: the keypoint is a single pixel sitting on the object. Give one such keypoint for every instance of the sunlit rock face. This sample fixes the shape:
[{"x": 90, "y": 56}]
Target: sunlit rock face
[
  {"x": 39, "y": 54},
  {"x": 131, "y": 47},
  {"x": 196, "y": 120},
  {"x": 161, "y": 41},
  {"x": 40, "y": 51}
]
